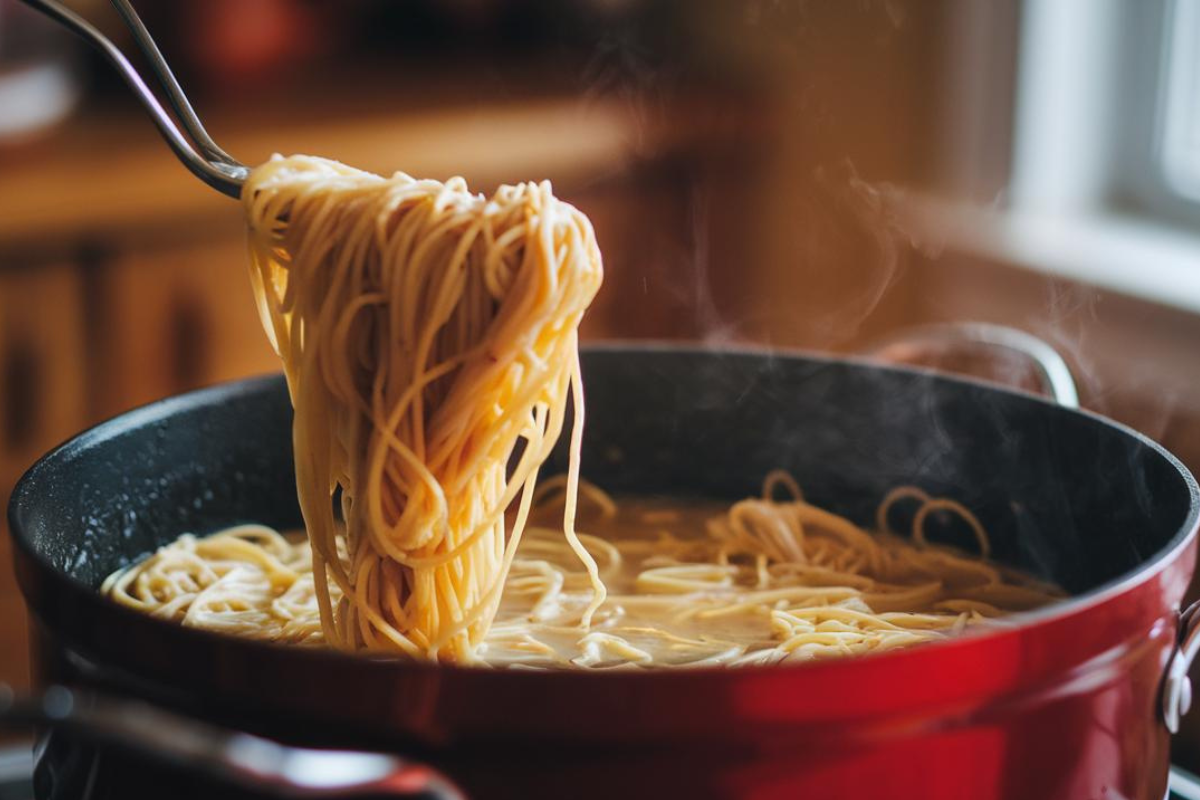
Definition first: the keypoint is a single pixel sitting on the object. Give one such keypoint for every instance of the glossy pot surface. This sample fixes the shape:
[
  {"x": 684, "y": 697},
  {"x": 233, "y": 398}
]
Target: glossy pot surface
[{"x": 1063, "y": 703}]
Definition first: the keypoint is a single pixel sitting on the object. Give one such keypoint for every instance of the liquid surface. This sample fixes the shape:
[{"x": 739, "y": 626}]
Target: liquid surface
[{"x": 689, "y": 584}]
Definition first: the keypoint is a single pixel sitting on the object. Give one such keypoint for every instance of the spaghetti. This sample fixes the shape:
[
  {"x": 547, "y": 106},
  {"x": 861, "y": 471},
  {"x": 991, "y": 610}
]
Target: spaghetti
[
  {"x": 762, "y": 582},
  {"x": 425, "y": 332}
]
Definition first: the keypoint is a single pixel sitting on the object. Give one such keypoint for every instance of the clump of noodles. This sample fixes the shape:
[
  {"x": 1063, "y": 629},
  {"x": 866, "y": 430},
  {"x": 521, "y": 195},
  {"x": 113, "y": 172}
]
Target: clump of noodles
[
  {"x": 426, "y": 332},
  {"x": 248, "y": 580},
  {"x": 764, "y": 581}
]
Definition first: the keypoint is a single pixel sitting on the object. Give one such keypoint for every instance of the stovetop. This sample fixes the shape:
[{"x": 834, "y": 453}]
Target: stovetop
[{"x": 16, "y": 776}]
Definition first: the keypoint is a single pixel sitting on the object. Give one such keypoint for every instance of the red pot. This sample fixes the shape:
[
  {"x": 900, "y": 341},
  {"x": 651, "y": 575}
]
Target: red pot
[{"x": 1068, "y": 702}]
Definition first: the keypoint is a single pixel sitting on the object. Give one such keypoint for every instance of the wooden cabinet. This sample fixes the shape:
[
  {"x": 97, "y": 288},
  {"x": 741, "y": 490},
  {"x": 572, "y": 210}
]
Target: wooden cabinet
[
  {"x": 42, "y": 402},
  {"x": 42, "y": 361},
  {"x": 175, "y": 318},
  {"x": 119, "y": 326}
]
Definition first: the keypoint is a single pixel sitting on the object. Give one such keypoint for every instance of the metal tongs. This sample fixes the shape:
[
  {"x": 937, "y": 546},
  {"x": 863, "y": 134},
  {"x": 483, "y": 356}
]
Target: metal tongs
[{"x": 194, "y": 147}]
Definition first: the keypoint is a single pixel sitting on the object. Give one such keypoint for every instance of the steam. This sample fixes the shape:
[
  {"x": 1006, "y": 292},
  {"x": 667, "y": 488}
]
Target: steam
[
  {"x": 869, "y": 215},
  {"x": 820, "y": 246},
  {"x": 622, "y": 67},
  {"x": 816, "y": 266},
  {"x": 1066, "y": 324},
  {"x": 835, "y": 246},
  {"x": 714, "y": 331}
]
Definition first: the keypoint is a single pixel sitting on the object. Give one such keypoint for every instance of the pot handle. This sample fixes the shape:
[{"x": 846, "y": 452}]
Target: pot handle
[
  {"x": 924, "y": 345},
  {"x": 1177, "y": 686},
  {"x": 250, "y": 762}
]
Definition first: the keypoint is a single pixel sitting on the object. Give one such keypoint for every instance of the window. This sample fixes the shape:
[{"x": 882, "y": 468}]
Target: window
[
  {"x": 1108, "y": 108},
  {"x": 1104, "y": 185},
  {"x": 1180, "y": 99}
]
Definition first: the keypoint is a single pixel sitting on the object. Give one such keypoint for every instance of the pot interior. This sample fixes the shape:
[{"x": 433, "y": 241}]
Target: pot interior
[{"x": 1069, "y": 497}]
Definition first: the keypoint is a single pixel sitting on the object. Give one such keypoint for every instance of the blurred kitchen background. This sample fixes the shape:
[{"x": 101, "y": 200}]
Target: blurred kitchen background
[{"x": 801, "y": 174}]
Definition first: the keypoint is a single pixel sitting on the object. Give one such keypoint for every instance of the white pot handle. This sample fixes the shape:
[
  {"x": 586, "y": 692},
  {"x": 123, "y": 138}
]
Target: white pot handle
[{"x": 1177, "y": 686}]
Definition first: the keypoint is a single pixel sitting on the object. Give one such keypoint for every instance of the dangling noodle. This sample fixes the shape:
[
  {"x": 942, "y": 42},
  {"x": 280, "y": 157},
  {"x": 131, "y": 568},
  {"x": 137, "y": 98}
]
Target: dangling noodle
[
  {"x": 425, "y": 332},
  {"x": 429, "y": 337},
  {"x": 765, "y": 581}
]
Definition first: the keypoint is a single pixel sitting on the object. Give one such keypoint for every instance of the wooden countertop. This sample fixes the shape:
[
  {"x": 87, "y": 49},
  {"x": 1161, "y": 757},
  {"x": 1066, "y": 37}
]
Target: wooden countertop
[{"x": 115, "y": 174}]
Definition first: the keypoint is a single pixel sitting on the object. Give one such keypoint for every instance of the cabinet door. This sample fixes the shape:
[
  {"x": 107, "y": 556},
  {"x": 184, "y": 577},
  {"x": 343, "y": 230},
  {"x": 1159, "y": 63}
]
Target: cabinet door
[
  {"x": 42, "y": 363},
  {"x": 42, "y": 402},
  {"x": 177, "y": 318}
]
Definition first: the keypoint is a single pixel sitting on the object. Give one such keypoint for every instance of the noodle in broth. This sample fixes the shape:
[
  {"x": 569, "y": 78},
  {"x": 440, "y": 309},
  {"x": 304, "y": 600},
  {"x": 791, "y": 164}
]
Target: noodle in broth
[{"x": 691, "y": 584}]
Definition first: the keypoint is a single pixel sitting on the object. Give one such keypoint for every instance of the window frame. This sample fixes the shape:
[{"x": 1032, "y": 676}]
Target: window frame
[
  {"x": 1144, "y": 179},
  {"x": 1094, "y": 94},
  {"x": 1180, "y": 86},
  {"x": 1087, "y": 197}
]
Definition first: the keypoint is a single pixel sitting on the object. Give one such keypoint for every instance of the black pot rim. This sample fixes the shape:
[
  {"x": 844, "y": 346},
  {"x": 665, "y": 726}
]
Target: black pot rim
[{"x": 26, "y": 489}]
